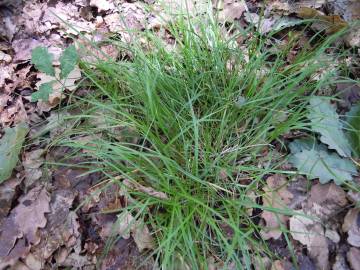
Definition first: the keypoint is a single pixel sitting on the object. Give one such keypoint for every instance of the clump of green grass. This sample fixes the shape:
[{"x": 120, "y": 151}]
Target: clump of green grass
[{"x": 192, "y": 123}]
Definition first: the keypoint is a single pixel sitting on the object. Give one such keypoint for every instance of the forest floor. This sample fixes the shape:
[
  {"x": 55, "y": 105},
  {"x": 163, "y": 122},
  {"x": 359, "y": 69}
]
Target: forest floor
[{"x": 58, "y": 216}]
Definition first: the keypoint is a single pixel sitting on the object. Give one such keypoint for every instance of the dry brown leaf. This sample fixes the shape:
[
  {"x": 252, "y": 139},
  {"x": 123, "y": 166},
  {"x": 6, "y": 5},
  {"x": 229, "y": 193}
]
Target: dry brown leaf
[
  {"x": 319, "y": 249},
  {"x": 330, "y": 24},
  {"x": 131, "y": 17},
  {"x": 352, "y": 227},
  {"x": 326, "y": 200},
  {"x": 7, "y": 192},
  {"x": 281, "y": 265},
  {"x": 23, "y": 48},
  {"x": 126, "y": 223},
  {"x": 311, "y": 234},
  {"x": 6, "y": 72},
  {"x": 353, "y": 257},
  {"x": 32, "y": 162},
  {"x": 232, "y": 10},
  {"x": 58, "y": 87},
  {"x": 62, "y": 228},
  {"x": 25, "y": 220},
  {"x": 277, "y": 196},
  {"x": 301, "y": 228},
  {"x": 103, "y": 5},
  {"x": 148, "y": 190},
  {"x": 5, "y": 57}
]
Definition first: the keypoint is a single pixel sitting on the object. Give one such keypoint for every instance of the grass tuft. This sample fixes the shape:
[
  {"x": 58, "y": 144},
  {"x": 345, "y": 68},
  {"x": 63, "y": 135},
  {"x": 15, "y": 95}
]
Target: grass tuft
[{"x": 192, "y": 120}]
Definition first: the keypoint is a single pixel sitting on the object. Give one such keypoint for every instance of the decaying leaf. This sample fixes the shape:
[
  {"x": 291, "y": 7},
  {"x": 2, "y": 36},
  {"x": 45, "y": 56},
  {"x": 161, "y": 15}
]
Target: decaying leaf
[
  {"x": 32, "y": 162},
  {"x": 103, "y": 5},
  {"x": 24, "y": 221},
  {"x": 231, "y": 10},
  {"x": 148, "y": 190},
  {"x": 10, "y": 146},
  {"x": 276, "y": 196},
  {"x": 7, "y": 192},
  {"x": 353, "y": 257},
  {"x": 310, "y": 233},
  {"x": 325, "y": 201},
  {"x": 352, "y": 227},
  {"x": 314, "y": 161},
  {"x": 58, "y": 87},
  {"x": 330, "y": 24},
  {"x": 325, "y": 121},
  {"x": 126, "y": 223},
  {"x": 300, "y": 228}
]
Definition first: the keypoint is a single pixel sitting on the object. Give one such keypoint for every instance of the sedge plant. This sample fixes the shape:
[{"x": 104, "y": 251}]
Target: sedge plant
[{"x": 192, "y": 120}]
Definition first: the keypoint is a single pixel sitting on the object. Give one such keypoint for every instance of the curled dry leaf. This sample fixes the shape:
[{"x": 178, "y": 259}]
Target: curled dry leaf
[
  {"x": 276, "y": 196},
  {"x": 351, "y": 225}
]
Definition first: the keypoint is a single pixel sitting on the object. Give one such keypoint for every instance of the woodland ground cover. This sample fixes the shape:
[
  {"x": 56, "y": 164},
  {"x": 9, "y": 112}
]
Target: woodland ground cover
[{"x": 205, "y": 146}]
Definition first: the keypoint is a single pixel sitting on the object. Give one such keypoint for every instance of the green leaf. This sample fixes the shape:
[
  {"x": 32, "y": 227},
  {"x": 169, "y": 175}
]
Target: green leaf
[
  {"x": 10, "y": 146},
  {"x": 325, "y": 121},
  {"x": 316, "y": 162},
  {"x": 353, "y": 120},
  {"x": 42, "y": 60},
  {"x": 68, "y": 60},
  {"x": 43, "y": 93}
]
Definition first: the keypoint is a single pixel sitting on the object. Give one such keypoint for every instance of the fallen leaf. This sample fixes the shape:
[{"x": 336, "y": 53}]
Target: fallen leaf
[
  {"x": 6, "y": 72},
  {"x": 276, "y": 196},
  {"x": 351, "y": 225},
  {"x": 314, "y": 161},
  {"x": 330, "y": 24},
  {"x": 10, "y": 146},
  {"x": 353, "y": 257},
  {"x": 5, "y": 57},
  {"x": 58, "y": 87},
  {"x": 326, "y": 200},
  {"x": 7, "y": 192},
  {"x": 23, "y": 48},
  {"x": 25, "y": 220},
  {"x": 32, "y": 162},
  {"x": 300, "y": 228},
  {"x": 103, "y": 5},
  {"x": 126, "y": 223},
  {"x": 148, "y": 190},
  {"x": 325, "y": 121},
  {"x": 232, "y": 10},
  {"x": 310, "y": 233},
  {"x": 281, "y": 265}
]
